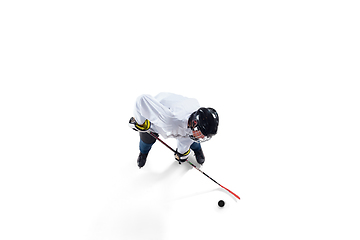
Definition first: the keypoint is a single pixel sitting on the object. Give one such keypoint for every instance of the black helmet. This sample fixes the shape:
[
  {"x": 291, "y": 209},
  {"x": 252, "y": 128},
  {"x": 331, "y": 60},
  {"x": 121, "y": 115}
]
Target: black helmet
[{"x": 205, "y": 120}]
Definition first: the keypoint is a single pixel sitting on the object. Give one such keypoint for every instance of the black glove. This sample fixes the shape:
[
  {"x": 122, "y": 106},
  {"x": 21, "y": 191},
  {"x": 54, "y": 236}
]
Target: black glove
[{"x": 181, "y": 157}]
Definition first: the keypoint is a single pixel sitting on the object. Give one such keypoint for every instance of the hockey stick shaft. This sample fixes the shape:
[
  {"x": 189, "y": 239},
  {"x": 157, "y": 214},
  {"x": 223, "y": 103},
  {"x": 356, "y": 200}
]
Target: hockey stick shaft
[
  {"x": 153, "y": 135},
  {"x": 213, "y": 180}
]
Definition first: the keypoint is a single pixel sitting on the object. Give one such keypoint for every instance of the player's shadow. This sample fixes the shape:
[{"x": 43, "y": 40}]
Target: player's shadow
[
  {"x": 174, "y": 171},
  {"x": 171, "y": 174}
]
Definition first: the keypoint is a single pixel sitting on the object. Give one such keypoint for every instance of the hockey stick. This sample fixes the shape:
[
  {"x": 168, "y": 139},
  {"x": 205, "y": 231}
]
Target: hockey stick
[{"x": 153, "y": 135}]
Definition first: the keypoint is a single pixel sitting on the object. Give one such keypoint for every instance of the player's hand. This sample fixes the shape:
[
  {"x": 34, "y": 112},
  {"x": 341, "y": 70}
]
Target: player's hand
[
  {"x": 181, "y": 157},
  {"x": 145, "y": 127}
]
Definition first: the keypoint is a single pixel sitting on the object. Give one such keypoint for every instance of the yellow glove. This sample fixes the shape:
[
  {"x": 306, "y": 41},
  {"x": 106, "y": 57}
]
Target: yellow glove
[
  {"x": 182, "y": 157},
  {"x": 140, "y": 128}
]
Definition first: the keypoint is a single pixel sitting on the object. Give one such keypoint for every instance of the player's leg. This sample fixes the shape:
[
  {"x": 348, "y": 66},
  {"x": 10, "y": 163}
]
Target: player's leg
[
  {"x": 196, "y": 147},
  {"x": 146, "y": 142}
]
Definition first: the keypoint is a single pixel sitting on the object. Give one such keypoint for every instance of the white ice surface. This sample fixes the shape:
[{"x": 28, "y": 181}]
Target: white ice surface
[{"x": 283, "y": 77}]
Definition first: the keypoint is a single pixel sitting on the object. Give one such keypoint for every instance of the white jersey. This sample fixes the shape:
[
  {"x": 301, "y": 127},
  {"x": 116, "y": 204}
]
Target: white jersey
[{"x": 169, "y": 114}]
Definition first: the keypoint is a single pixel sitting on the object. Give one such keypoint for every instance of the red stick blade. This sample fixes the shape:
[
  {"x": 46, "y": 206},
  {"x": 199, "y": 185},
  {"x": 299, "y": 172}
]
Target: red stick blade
[{"x": 231, "y": 192}]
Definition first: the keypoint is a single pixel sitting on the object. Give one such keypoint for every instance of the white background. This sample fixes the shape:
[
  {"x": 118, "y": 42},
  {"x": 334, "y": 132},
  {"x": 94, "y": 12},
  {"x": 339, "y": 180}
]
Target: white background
[{"x": 283, "y": 76}]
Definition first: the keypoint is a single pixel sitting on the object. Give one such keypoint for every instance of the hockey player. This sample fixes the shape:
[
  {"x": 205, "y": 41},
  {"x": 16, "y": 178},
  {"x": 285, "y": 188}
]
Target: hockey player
[{"x": 172, "y": 115}]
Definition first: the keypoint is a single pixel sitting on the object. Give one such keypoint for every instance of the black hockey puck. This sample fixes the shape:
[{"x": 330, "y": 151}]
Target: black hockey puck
[{"x": 221, "y": 203}]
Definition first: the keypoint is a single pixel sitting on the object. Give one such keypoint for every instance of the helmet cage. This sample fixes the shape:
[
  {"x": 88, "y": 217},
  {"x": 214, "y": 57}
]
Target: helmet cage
[{"x": 198, "y": 136}]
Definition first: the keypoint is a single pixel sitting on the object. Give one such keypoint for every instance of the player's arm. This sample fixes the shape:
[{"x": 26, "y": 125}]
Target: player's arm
[
  {"x": 149, "y": 111},
  {"x": 183, "y": 149}
]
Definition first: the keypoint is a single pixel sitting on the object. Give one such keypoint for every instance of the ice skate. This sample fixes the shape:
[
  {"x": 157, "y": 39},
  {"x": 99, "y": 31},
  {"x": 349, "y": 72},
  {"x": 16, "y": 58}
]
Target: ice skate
[
  {"x": 141, "y": 159},
  {"x": 199, "y": 155}
]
